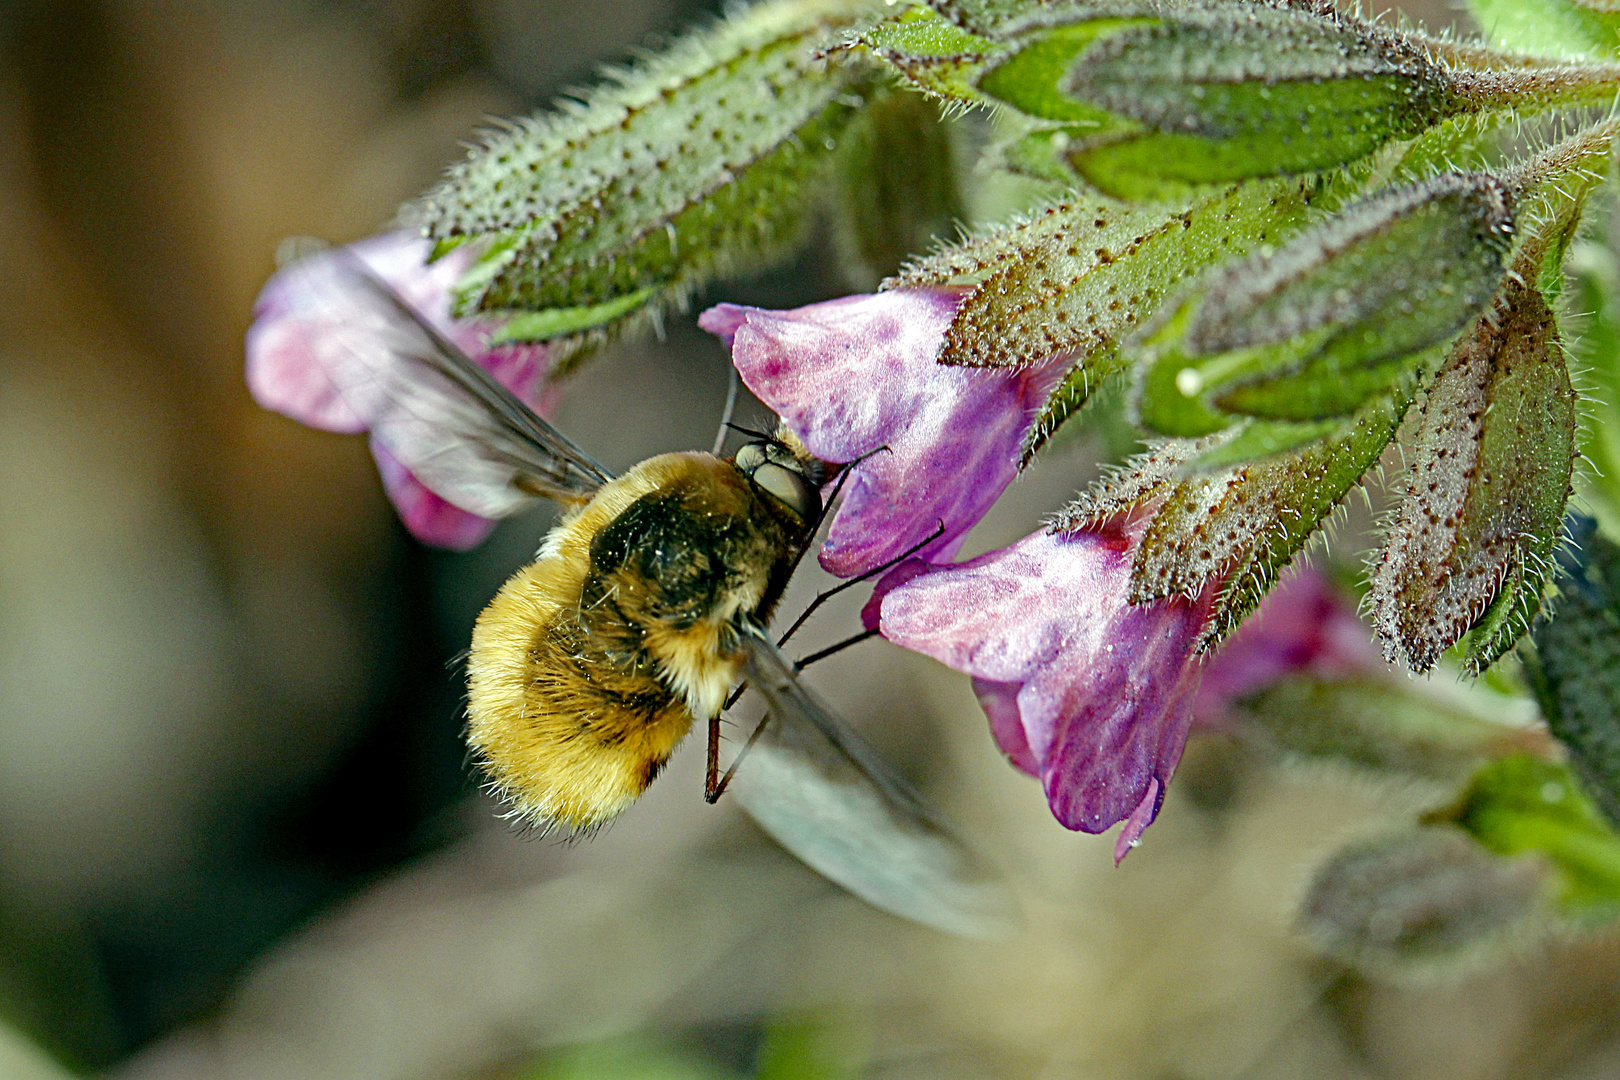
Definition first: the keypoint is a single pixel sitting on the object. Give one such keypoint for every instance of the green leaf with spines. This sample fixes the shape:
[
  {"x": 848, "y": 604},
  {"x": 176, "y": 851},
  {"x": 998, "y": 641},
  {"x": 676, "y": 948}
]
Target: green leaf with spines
[
  {"x": 1490, "y": 461},
  {"x": 1182, "y": 96},
  {"x": 706, "y": 157},
  {"x": 1575, "y": 666},
  {"x": 1031, "y": 79},
  {"x": 1238, "y": 526},
  {"x": 1076, "y": 276},
  {"x": 937, "y": 56}
]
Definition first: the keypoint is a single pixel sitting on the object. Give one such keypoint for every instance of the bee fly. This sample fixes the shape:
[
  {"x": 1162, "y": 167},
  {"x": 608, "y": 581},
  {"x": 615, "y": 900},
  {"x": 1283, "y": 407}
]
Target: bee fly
[{"x": 645, "y": 604}]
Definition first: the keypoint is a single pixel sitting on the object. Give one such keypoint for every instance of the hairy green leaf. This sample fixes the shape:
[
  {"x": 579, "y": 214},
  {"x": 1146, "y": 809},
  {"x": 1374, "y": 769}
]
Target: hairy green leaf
[
  {"x": 1491, "y": 459},
  {"x": 1238, "y": 526},
  {"x": 939, "y": 57},
  {"x": 1178, "y": 96},
  {"x": 1335, "y": 316},
  {"x": 706, "y": 157},
  {"x": 1552, "y": 28}
]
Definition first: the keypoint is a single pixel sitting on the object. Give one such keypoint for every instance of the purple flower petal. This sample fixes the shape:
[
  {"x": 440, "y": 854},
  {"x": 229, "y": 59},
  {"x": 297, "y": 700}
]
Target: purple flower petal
[
  {"x": 283, "y": 370},
  {"x": 854, "y": 375},
  {"x": 1102, "y": 688},
  {"x": 429, "y": 518},
  {"x": 301, "y": 308},
  {"x": 999, "y": 700}
]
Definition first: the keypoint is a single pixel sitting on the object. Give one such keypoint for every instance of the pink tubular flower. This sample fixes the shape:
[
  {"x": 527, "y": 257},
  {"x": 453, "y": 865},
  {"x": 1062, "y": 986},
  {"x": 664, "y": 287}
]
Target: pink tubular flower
[
  {"x": 298, "y": 315},
  {"x": 1084, "y": 690},
  {"x": 857, "y": 376}
]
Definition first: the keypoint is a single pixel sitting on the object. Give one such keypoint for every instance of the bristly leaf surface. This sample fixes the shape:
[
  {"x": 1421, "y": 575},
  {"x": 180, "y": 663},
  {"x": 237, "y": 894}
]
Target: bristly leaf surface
[{"x": 706, "y": 157}]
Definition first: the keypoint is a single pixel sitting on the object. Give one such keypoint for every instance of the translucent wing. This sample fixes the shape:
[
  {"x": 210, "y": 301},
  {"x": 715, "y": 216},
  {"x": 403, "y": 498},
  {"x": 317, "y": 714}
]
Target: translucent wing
[
  {"x": 468, "y": 438},
  {"x": 832, "y": 800}
]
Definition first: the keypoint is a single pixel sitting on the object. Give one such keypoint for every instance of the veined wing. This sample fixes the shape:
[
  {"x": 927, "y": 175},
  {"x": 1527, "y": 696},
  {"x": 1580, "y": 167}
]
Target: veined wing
[
  {"x": 468, "y": 438},
  {"x": 827, "y": 796}
]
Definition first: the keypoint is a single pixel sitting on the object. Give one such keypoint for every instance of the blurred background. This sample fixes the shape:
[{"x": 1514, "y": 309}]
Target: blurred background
[{"x": 238, "y": 833}]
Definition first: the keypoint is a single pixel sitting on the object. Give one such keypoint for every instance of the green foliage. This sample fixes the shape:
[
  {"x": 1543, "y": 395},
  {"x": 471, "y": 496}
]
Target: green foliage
[
  {"x": 1241, "y": 525},
  {"x": 896, "y": 187},
  {"x": 1552, "y": 28},
  {"x": 1575, "y": 666},
  {"x": 1596, "y": 295},
  {"x": 1524, "y": 804},
  {"x": 938, "y": 57},
  {"x": 1219, "y": 92},
  {"x": 707, "y": 157},
  {"x": 1471, "y": 544},
  {"x": 1335, "y": 316}
]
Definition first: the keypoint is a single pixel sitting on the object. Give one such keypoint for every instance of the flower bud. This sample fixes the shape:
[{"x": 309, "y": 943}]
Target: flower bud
[
  {"x": 1337, "y": 315},
  {"x": 1419, "y": 898},
  {"x": 1158, "y": 97},
  {"x": 1491, "y": 462}
]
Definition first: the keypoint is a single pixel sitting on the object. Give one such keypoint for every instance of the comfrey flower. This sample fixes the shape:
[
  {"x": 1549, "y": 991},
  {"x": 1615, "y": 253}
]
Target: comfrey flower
[
  {"x": 1084, "y": 690},
  {"x": 1092, "y": 694},
  {"x": 856, "y": 376},
  {"x": 295, "y": 318}
]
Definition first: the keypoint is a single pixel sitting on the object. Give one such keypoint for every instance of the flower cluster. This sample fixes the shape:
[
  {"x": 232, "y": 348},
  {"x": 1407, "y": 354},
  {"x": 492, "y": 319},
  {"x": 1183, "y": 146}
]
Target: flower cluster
[{"x": 1092, "y": 694}]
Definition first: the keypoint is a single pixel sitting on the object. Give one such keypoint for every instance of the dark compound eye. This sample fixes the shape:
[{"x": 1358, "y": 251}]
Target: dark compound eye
[{"x": 780, "y": 479}]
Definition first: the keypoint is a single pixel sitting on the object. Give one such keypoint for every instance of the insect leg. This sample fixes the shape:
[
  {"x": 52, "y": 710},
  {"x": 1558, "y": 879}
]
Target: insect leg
[
  {"x": 822, "y": 598},
  {"x": 731, "y": 407},
  {"x": 800, "y": 665},
  {"x": 711, "y": 786},
  {"x": 711, "y": 790}
]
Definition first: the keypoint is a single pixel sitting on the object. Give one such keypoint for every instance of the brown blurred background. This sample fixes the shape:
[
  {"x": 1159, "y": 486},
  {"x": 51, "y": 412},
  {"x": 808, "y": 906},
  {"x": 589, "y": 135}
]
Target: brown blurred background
[{"x": 238, "y": 836}]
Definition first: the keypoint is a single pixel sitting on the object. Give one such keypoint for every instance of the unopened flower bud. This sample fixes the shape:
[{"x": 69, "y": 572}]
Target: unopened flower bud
[
  {"x": 1491, "y": 463},
  {"x": 1158, "y": 97},
  {"x": 1419, "y": 899},
  {"x": 1336, "y": 316}
]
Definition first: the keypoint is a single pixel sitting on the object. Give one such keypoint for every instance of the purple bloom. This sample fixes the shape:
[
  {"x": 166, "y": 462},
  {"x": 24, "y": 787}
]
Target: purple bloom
[
  {"x": 853, "y": 375},
  {"x": 1083, "y": 689},
  {"x": 298, "y": 314}
]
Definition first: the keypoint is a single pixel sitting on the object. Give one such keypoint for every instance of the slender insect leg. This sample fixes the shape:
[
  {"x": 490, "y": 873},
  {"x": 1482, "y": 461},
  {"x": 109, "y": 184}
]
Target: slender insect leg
[
  {"x": 822, "y": 598},
  {"x": 731, "y": 407},
  {"x": 725, "y": 781},
  {"x": 711, "y": 789},
  {"x": 838, "y": 647}
]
